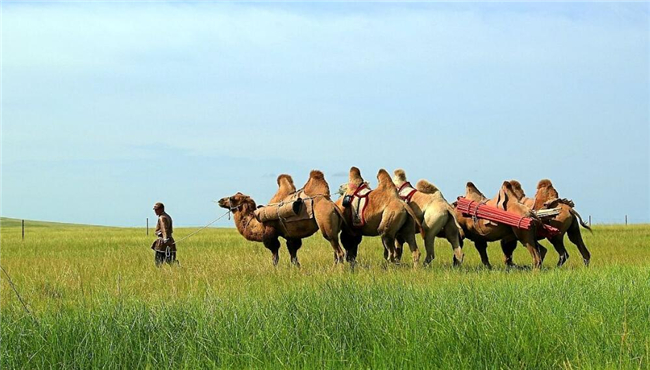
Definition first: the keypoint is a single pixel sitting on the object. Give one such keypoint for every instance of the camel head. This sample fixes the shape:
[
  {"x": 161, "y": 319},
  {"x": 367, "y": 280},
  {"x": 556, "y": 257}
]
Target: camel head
[
  {"x": 317, "y": 184},
  {"x": 545, "y": 192},
  {"x": 238, "y": 202},
  {"x": 355, "y": 179},
  {"x": 399, "y": 178},
  {"x": 426, "y": 187},
  {"x": 517, "y": 189},
  {"x": 472, "y": 193}
]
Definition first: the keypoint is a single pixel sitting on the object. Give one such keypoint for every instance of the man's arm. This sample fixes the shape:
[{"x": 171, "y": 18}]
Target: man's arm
[{"x": 164, "y": 226}]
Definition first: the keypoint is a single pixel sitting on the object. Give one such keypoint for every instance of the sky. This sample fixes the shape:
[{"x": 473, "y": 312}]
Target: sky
[{"x": 107, "y": 108}]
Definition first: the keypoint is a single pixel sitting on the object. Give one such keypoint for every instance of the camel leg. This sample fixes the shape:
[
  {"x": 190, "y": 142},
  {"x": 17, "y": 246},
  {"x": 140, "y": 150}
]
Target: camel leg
[
  {"x": 293, "y": 245},
  {"x": 415, "y": 252},
  {"x": 542, "y": 252},
  {"x": 399, "y": 248},
  {"x": 429, "y": 242},
  {"x": 389, "y": 243},
  {"x": 558, "y": 243},
  {"x": 330, "y": 229},
  {"x": 453, "y": 236},
  {"x": 351, "y": 244},
  {"x": 274, "y": 246},
  {"x": 529, "y": 241},
  {"x": 576, "y": 238},
  {"x": 508, "y": 247},
  {"x": 481, "y": 247},
  {"x": 407, "y": 233}
]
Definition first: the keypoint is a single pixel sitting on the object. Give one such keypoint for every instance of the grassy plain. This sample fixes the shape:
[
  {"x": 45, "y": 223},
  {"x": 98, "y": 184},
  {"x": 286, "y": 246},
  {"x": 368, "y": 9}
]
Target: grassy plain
[{"x": 98, "y": 301}]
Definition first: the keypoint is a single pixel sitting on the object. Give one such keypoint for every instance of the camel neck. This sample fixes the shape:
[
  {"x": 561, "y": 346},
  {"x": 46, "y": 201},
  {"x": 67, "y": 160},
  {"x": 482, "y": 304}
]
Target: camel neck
[{"x": 248, "y": 226}]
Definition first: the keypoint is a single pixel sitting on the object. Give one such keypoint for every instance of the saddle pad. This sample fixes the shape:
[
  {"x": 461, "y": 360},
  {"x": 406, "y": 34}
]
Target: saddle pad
[
  {"x": 359, "y": 205},
  {"x": 307, "y": 210},
  {"x": 406, "y": 191}
]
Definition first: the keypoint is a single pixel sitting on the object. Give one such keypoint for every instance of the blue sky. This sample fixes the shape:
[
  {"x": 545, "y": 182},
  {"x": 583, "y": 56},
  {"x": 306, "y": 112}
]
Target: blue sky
[{"x": 108, "y": 108}]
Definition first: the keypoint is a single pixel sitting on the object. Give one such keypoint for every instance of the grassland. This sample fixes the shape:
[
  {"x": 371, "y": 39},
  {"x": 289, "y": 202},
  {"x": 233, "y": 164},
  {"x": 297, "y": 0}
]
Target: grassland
[{"x": 98, "y": 301}]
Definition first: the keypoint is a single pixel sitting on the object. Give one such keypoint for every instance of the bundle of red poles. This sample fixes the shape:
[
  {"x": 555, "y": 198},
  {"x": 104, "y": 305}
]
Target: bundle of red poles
[{"x": 473, "y": 208}]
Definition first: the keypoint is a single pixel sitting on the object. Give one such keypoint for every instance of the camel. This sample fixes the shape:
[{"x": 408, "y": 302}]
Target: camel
[
  {"x": 386, "y": 215},
  {"x": 327, "y": 218},
  {"x": 433, "y": 212},
  {"x": 482, "y": 231},
  {"x": 568, "y": 221}
]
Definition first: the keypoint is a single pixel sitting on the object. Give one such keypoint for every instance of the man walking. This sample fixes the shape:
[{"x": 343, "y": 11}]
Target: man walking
[{"x": 164, "y": 246}]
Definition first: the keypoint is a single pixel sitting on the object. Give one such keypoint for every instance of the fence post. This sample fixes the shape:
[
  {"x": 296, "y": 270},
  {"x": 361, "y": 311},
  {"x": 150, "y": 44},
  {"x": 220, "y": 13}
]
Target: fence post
[
  {"x": 625, "y": 220},
  {"x": 23, "y": 228},
  {"x": 589, "y": 220},
  {"x": 147, "y": 226}
]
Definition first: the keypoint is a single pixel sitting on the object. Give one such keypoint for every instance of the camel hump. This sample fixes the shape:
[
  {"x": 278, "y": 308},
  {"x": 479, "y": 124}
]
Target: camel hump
[
  {"x": 426, "y": 187},
  {"x": 516, "y": 186},
  {"x": 544, "y": 183},
  {"x": 470, "y": 188},
  {"x": 284, "y": 178},
  {"x": 384, "y": 179},
  {"x": 317, "y": 175},
  {"x": 355, "y": 175},
  {"x": 507, "y": 187},
  {"x": 400, "y": 175}
]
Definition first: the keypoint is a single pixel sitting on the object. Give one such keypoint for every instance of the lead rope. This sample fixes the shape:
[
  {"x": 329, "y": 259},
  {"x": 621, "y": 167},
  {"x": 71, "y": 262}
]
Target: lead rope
[{"x": 215, "y": 220}]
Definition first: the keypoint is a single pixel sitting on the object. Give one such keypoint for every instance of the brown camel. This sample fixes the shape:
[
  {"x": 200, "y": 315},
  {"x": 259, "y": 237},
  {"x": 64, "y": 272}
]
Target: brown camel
[
  {"x": 386, "y": 215},
  {"x": 434, "y": 213},
  {"x": 327, "y": 218},
  {"x": 482, "y": 231},
  {"x": 568, "y": 221}
]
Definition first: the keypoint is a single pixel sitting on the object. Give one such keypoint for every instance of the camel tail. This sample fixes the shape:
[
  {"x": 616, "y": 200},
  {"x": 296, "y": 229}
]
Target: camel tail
[
  {"x": 582, "y": 223},
  {"x": 415, "y": 218}
]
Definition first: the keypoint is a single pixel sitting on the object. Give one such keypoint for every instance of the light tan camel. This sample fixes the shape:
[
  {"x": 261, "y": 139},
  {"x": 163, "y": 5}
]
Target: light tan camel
[
  {"x": 386, "y": 215},
  {"x": 482, "y": 231},
  {"x": 568, "y": 221},
  {"x": 434, "y": 213},
  {"x": 327, "y": 218}
]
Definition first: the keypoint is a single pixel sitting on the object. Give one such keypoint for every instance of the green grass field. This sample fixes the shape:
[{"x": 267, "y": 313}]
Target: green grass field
[{"x": 98, "y": 301}]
